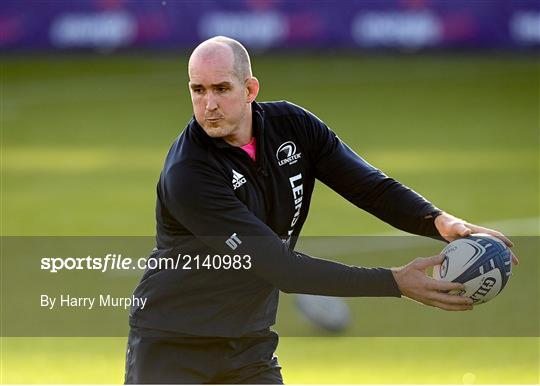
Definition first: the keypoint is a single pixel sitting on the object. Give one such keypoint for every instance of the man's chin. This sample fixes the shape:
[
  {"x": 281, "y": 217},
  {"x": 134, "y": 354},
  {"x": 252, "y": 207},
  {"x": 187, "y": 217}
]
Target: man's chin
[{"x": 215, "y": 131}]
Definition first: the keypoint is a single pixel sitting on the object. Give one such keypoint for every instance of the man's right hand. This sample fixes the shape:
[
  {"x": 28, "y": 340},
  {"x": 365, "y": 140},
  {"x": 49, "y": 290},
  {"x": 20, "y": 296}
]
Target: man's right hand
[{"x": 413, "y": 283}]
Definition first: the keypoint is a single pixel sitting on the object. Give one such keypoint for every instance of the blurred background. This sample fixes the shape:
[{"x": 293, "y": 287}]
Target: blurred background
[
  {"x": 108, "y": 25},
  {"x": 441, "y": 95}
]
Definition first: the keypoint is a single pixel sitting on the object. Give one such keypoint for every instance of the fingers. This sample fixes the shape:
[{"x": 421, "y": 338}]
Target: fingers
[
  {"x": 500, "y": 236},
  {"x": 445, "y": 301},
  {"x": 515, "y": 260},
  {"x": 445, "y": 286},
  {"x": 416, "y": 285},
  {"x": 492, "y": 232},
  {"x": 463, "y": 230},
  {"x": 452, "y": 307},
  {"x": 426, "y": 262},
  {"x": 442, "y": 298},
  {"x": 507, "y": 241}
]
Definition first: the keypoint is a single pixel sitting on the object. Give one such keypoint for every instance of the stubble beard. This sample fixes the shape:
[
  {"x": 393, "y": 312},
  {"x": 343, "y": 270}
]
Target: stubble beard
[{"x": 217, "y": 131}]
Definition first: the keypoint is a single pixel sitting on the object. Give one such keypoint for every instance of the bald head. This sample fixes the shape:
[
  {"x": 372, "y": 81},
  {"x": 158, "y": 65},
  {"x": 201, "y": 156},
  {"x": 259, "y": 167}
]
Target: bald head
[{"x": 228, "y": 50}]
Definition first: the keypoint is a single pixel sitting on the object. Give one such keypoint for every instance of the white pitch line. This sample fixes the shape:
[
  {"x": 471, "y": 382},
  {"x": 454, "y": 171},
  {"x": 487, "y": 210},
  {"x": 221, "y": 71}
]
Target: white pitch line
[{"x": 326, "y": 246}]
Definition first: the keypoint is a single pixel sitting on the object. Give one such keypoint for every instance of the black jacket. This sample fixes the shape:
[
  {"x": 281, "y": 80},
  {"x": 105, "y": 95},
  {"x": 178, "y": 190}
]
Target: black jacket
[{"x": 213, "y": 199}]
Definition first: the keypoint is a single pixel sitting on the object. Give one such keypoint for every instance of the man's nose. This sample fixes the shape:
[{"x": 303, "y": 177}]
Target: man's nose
[{"x": 211, "y": 103}]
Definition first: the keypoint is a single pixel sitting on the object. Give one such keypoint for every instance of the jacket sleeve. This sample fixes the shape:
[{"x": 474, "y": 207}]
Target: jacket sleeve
[
  {"x": 345, "y": 172},
  {"x": 204, "y": 202}
]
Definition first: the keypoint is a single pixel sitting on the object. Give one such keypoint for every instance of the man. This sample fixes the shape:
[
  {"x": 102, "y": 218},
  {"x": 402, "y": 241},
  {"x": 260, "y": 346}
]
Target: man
[{"x": 233, "y": 195}]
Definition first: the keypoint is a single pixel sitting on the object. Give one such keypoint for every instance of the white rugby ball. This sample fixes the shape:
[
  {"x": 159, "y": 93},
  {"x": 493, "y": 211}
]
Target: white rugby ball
[
  {"x": 330, "y": 313},
  {"x": 481, "y": 262}
]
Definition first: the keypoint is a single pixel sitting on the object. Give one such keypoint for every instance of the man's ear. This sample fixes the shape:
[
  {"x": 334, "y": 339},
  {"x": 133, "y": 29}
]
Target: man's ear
[{"x": 252, "y": 88}]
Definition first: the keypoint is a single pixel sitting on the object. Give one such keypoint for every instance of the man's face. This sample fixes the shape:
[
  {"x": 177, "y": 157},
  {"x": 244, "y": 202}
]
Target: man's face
[{"x": 219, "y": 98}]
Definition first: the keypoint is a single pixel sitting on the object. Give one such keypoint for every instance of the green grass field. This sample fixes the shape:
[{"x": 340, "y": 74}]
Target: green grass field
[{"x": 84, "y": 138}]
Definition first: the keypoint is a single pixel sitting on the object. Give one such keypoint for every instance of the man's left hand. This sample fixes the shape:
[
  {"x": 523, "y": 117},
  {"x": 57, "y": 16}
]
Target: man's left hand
[{"x": 452, "y": 228}]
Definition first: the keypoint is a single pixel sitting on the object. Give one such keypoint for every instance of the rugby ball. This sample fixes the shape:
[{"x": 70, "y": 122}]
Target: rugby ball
[
  {"x": 327, "y": 312},
  {"x": 481, "y": 262}
]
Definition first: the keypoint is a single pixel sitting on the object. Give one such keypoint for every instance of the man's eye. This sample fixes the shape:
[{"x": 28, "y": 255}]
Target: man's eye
[
  {"x": 197, "y": 90},
  {"x": 221, "y": 89}
]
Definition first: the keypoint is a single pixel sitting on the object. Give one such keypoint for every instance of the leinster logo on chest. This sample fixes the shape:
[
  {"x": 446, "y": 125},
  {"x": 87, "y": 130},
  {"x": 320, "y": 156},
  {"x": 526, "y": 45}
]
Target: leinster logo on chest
[{"x": 286, "y": 154}]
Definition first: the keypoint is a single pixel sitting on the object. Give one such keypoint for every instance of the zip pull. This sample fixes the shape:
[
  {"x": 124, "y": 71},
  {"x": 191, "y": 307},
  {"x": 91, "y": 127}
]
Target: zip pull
[{"x": 262, "y": 171}]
